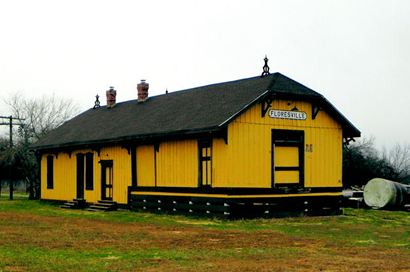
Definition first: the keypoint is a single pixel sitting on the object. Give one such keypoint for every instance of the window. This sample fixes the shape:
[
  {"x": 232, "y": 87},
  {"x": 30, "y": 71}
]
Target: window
[
  {"x": 205, "y": 163},
  {"x": 89, "y": 171},
  {"x": 50, "y": 172}
]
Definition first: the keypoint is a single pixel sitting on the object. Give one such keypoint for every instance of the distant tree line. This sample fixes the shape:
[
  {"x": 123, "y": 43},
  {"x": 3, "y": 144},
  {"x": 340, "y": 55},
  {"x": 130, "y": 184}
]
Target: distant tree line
[
  {"x": 41, "y": 115},
  {"x": 362, "y": 162}
]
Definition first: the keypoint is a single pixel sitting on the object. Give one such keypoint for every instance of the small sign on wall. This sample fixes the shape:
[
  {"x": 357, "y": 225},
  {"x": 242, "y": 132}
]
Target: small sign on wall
[{"x": 292, "y": 115}]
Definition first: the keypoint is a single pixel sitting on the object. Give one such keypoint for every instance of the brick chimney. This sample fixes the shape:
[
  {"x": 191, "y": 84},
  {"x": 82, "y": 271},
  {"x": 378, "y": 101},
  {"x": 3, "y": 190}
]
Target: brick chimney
[
  {"x": 111, "y": 94},
  {"x": 142, "y": 91}
]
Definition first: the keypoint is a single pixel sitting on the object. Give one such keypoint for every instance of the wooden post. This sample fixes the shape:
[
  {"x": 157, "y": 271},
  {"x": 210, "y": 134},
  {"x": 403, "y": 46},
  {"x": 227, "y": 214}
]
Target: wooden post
[
  {"x": 10, "y": 168},
  {"x": 10, "y": 124}
]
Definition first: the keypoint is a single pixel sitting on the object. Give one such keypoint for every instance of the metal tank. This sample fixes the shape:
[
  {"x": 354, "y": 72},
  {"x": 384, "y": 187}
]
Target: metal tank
[{"x": 386, "y": 194}]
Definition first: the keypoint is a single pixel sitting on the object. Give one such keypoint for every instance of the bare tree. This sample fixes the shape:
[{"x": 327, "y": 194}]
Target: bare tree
[
  {"x": 41, "y": 114},
  {"x": 398, "y": 158},
  {"x": 362, "y": 162}
]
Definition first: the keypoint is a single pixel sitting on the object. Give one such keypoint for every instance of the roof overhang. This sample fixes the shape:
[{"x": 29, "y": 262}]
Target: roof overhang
[
  {"x": 148, "y": 139},
  {"x": 349, "y": 130}
]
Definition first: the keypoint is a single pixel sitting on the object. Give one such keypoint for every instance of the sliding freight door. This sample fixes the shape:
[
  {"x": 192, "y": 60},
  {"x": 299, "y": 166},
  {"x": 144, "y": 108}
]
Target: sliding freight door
[{"x": 287, "y": 158}]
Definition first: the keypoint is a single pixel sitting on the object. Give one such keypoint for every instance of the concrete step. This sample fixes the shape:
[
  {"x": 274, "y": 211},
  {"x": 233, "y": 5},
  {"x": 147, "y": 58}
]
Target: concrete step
[
  {"x": 104, "y": 205},
  {"x": 107, "y": 202},
  {"x": 75, "y": 204},
  {"x": 100, "y": 207}
]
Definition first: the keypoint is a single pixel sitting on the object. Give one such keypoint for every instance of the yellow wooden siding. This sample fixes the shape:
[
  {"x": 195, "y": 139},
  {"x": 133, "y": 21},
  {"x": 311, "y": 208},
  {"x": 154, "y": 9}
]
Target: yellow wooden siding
[
  {"x": 145, "y": 165},
  {"x": 65, "y": 175},
  {"x": 323, "y": 166},
  {"x": 286, "y": 156},
  {"x": 246, "y": 160},
  {"x": 121, "y": 172},
  {"x": 286, "y": 177},
  {"x": 63, "y": 186},
  {"x": 230, "y": 196},
  {"x": 177, "y": 164}
]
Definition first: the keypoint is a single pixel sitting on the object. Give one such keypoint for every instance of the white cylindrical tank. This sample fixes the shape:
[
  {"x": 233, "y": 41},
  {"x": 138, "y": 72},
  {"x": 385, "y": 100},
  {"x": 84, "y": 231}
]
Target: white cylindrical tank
[{"x": 385, "y": 194}]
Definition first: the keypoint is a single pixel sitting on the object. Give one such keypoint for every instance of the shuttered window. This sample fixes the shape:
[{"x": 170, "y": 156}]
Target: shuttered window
[
  {"x": 80, "y": 176},
  {"x": 89, "y": 171},
  {"x": 50, "y": 172}
]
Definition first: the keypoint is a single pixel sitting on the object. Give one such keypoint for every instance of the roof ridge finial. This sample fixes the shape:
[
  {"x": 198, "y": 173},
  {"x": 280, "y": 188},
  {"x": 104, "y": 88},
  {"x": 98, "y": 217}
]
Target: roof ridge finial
[
  {"x": 97, "y": 102},
  {"x": 265, "y": 67}
]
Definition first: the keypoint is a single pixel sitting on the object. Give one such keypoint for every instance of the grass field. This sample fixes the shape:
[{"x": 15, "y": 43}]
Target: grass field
[{"x": 38, "y": 236}]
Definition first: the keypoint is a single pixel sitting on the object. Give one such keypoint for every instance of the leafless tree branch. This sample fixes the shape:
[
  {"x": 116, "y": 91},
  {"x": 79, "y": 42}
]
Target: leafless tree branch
[{"x": 41, "y": 114}]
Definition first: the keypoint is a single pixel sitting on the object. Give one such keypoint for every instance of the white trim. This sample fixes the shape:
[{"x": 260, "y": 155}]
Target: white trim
[{"x": 244, "y": 107}]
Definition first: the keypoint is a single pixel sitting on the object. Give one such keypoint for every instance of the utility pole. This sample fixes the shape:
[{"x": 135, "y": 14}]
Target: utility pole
[{"x": 8, "y": 121}]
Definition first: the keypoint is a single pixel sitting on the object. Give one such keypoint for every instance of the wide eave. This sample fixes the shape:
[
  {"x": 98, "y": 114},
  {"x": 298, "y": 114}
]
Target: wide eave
[{"x": 205, "y": 110}]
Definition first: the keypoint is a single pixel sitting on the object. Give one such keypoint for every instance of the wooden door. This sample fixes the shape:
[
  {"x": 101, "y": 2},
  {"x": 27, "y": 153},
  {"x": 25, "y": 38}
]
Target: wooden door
[
  {"x": 107, "y": 179},
  {"x": 287, "y": 157}
]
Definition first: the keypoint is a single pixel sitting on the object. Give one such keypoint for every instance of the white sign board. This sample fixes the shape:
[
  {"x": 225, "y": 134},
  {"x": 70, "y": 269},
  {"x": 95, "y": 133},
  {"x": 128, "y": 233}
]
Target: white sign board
[{"x": 292, "y": 115}]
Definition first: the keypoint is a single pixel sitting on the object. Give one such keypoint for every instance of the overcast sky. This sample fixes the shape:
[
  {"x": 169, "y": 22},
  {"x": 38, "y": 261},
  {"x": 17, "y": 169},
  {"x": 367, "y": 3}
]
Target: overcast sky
[{"x": 355, "y": 53}]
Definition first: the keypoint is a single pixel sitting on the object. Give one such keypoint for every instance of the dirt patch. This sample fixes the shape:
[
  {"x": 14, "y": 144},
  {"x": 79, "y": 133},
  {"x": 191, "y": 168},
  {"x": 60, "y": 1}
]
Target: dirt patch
[
  {"x": 209, "y": 250},
  {"x": 55, "y": 232}
]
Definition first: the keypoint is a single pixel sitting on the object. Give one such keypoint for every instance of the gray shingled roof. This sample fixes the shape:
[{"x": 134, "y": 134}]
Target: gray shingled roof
[{"x": 207, "y": 108}]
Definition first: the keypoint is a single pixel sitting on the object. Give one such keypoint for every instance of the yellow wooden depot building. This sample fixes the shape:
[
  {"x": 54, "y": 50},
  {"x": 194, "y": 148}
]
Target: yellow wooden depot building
[{"x": 259, "y": 145}]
